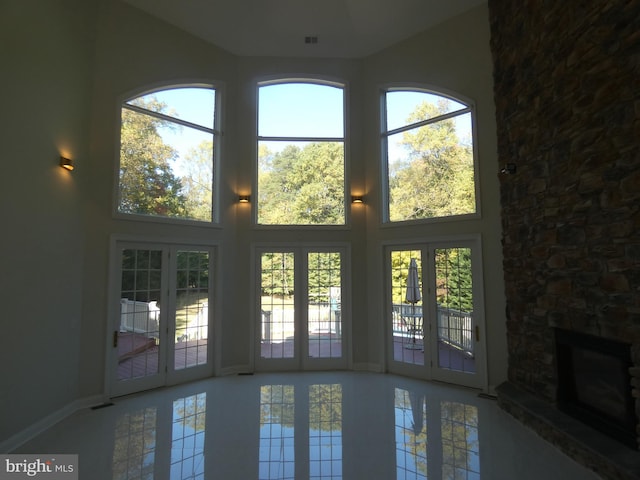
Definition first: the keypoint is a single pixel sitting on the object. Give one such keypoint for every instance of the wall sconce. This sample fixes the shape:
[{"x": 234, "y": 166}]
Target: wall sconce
[
  {"x": 357, "y": 199},
  {"x": 244, "y": 198},
  {"x": 66, "y": 163}
]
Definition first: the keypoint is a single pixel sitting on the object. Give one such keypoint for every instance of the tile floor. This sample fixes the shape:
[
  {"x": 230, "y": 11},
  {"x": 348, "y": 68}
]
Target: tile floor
[{"x": 305, "y": 426}]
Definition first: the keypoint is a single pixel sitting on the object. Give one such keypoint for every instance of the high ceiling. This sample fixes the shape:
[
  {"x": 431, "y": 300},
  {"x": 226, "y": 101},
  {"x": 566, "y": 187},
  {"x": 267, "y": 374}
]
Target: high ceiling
[{"x": 344, "y": 28}]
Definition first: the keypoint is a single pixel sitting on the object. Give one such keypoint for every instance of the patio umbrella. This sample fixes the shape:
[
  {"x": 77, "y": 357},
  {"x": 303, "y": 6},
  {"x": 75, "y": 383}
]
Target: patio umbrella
[
  {"x": 417, "y": 412},
  {"x": 413, "y": 295}
]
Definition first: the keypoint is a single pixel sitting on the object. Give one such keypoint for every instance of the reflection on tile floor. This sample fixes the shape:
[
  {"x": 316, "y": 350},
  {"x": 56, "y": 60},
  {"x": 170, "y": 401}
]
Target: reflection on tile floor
[{"x": 305, "y": 426}]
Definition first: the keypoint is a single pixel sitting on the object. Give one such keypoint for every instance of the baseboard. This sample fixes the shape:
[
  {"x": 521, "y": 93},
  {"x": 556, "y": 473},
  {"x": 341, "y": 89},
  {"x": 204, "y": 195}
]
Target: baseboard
[
  {"x": 16, "y": 441},
  {"x": 235, "y": 370},
  {"x": 368, "y": 367}
]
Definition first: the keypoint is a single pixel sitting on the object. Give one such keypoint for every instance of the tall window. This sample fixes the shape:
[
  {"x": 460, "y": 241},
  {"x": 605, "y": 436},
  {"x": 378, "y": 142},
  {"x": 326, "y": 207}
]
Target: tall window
[
  {"x": 167, "y": 154},
  {"x": 301, "y": 167},
  {"x": 429, "y": 156}
]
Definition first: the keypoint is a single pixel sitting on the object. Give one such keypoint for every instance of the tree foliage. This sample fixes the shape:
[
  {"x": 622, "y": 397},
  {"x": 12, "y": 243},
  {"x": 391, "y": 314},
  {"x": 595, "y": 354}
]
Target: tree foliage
[
  {"x": 197, "y": 181},
  {"x": 302, "y": 185},
  {"x": 435, "y": 178},
  {"x": 148, "y": 185}
]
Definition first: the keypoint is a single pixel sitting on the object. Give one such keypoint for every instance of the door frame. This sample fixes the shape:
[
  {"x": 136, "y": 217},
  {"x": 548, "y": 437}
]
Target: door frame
[
  {"x": 166, "y": 376},
  {"x": 301, "y": 360},
  {"x": 430, "y": 369}
]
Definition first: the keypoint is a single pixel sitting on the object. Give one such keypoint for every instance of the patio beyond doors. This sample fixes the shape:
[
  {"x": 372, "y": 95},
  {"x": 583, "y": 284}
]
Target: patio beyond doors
[
  {"x": 300, "y": 314},
  {"x": 434, "y": 314}
]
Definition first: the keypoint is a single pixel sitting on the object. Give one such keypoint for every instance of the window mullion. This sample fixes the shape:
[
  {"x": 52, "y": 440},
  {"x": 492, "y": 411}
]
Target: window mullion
[{"x": 428, "y": 121}]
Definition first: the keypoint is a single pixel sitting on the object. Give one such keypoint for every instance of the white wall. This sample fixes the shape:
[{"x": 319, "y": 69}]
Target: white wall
[
  {"x": 46, "y": 63},
  {"x": 59, "y": 295}
]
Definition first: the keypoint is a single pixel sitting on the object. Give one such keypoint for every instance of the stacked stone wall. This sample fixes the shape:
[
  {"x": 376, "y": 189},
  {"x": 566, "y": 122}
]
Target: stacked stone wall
[{"x": 567, "y": 94}]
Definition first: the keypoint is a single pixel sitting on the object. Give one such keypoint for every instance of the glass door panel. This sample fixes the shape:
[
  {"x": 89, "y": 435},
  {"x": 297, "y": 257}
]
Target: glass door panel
[
  {"x": 406, "y": 308},
  {"x": 277, "y": 305},
  {"x": 324, "y": 306},
  {"x": 454, "y": 309},
  {"x": 137, "y": 338},
  {"x": 192, "y": 309}
]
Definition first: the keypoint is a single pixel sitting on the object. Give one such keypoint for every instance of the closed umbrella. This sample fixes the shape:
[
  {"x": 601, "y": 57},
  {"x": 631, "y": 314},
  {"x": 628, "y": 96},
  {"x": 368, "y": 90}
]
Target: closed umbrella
[{"x": 413, "y": 296}]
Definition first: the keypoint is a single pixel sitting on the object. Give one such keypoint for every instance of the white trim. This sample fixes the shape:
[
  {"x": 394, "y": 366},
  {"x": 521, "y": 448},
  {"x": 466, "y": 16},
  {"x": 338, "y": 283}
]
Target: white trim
[{"x": 35, "y": 429}]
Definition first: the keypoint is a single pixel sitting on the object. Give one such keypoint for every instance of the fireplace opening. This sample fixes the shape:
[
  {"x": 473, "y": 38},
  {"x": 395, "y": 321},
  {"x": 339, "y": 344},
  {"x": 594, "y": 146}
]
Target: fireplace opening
[{"x": 594, "y": 384}]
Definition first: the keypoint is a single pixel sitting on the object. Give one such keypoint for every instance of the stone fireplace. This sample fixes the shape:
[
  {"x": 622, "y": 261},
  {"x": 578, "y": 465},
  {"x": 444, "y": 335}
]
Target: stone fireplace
[{"x": 566, "y": 83}]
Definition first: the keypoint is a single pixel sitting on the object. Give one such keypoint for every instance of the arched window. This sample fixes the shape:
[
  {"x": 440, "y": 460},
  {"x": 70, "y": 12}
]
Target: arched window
[
  {"x": 167, "y": 144},
  {"x": 301, "y": 169},
  {"x": 428, "y": 155}
]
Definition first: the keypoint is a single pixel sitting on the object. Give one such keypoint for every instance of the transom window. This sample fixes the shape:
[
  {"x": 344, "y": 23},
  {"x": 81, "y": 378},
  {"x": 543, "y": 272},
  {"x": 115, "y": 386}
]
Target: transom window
[
  {"x": 167, "y": 140},
  {"x": 301, "y": 179},
  {"x": 428, "y": 156}
]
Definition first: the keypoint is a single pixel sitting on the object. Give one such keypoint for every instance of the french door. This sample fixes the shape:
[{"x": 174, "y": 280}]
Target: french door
[
  {"x": 301, "y": 308},
  {"x": 160, "y": 311},
  {"x": 434, "y": 316}
]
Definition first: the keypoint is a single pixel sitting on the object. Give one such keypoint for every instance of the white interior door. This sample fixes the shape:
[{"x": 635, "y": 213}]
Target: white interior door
[
  {"x": 437, "y": 333},
  {"x": 160, "y": 310}
]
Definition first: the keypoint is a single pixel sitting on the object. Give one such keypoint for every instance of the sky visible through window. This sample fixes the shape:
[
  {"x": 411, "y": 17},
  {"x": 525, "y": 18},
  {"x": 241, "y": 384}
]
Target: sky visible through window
[{"x": 285, "y": 111}]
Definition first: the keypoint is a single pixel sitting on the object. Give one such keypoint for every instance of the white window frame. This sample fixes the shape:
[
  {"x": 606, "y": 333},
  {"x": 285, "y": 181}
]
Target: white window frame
[
  {"x": 217, "y": 136},
  {"x": 385, "y": 134},
  {"x": 313, "y": 80}
]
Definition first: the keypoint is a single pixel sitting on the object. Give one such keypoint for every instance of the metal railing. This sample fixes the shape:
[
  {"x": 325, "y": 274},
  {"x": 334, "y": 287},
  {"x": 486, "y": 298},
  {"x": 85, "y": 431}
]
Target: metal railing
[{"x": 454, "y": 327}]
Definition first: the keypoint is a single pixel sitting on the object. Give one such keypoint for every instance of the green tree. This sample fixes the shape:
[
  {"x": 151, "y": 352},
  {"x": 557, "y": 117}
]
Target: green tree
[
  {"x": 302, "y": 185},
  {"x": 197, "y": 181},
  {"x": 454, "y": 279},
  {"x": 148, "y": 185},
  {"x": 436, "y": 177}
]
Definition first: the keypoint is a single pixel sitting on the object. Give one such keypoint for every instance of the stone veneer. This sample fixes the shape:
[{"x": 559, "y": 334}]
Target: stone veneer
[{"x": 567, "y": 94}]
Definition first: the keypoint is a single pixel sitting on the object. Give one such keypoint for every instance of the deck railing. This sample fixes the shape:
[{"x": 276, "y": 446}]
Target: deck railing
[{"x": 454, "y": 326}]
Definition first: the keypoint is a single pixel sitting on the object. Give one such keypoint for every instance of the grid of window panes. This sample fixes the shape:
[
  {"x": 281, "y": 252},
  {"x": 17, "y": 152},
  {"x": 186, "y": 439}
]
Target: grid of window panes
[
  {"x": 325, "y": 431},
  {"x": 411, "y": 435},
  {"x": 134, "y": 445},
  {"x": 140, "y": 316},
  {"x": 429, "y": 156},
  {"x": 276, "y": 456},
  {"x": 460, "y": 444},
  {"x": 406, "y": 311},
  {"x": 188, "y": 437},
  {"x": 324, "y": 305},
  {"x": 167, "y": 154},
  {"x": 192, "y": 308},
  {"x": 277, "y": 308},
  {"x": 454, "y": 309},
  {"x": 301, "y": 167}
]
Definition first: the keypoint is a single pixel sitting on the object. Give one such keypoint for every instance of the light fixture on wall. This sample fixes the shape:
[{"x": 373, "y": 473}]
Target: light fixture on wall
[
  {"x": 66, "y": 163},
  {"x": 244, "y": 198},
  {"x": 357, "y": 199}
]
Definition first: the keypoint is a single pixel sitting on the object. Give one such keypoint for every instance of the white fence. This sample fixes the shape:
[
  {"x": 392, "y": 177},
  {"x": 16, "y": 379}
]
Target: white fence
[
  {"x": 144, "y": 318},
  {"x": 140, "y": 317}
]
